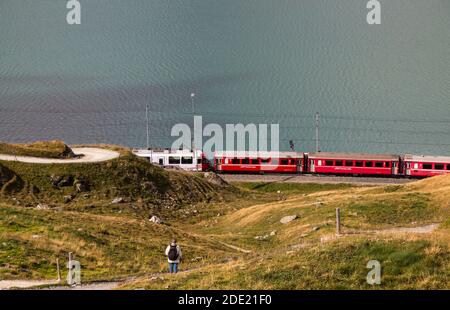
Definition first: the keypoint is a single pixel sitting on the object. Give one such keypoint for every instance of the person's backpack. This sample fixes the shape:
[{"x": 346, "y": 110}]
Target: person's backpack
[{"x": 173, "y": 253}]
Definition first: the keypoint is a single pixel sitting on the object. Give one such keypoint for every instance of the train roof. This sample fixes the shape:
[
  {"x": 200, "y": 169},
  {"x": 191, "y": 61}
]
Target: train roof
[
  {"x": 252, "y": 154},
  {"x": 427, "y": 158},
  {"x": 150, "y": 152},
  {"x": 356, "y": 156}
]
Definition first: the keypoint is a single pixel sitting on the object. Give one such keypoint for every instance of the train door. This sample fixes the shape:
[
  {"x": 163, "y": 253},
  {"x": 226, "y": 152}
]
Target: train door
[
  {"x": 161, "y": 161},
  {"x": 299, "y": 163},
  {"x": 311, "y": 166},
  {"x": 394, "y": 168}
]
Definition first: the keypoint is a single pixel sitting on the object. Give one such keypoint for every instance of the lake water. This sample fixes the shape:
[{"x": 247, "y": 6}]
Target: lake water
[{"x": 382, "y": 88}]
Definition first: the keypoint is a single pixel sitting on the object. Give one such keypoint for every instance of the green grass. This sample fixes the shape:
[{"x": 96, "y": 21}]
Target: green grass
[
  {"x": 340, "y": 265},
  {"x": 291, "y": 188},
  {"x": 400, "y": 209},
  {"x": 48, "y": 149},
  {"x": 108, "y": 247}
]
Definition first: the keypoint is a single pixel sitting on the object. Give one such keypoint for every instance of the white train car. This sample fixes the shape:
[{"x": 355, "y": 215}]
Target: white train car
[{"x": 183, "y": 159}]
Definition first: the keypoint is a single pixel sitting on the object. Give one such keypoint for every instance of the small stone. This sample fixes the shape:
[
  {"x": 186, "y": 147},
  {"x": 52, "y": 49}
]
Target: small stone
[
  {"x": 155, "y": 219},
  {"x": 42, "y": 207},
  {"x": 316, "y": 228},
  {"x": 288, "y": 219},
  {"x": 273, "y": 233},
  {"x": 118, "y": 200}
]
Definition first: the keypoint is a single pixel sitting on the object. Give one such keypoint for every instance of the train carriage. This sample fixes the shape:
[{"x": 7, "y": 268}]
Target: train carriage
[
  {"x": 354, "y": 164},
  {"x": 183, "y": 159},
  {"x": 258, "y": 162},
  {"x": 426, "y": 166}
]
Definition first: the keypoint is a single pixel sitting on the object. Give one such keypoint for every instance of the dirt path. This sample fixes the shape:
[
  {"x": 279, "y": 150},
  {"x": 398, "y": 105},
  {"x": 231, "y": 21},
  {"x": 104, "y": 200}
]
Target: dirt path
[
  {"x": 9, "y": 284},
  {"x": 89, "y": 155},
  {"x": 414, "y": 230}
]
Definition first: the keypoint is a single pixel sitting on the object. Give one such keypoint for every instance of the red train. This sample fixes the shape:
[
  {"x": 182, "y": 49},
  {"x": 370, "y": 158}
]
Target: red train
[{"x": 331, "y": 163}]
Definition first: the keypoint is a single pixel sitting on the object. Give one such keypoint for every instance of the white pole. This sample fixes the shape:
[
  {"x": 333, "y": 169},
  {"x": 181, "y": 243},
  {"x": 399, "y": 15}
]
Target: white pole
[
  {"x": 317, "y": 132},
  {"x": 193, "y": 131},
  {"x": 146, "y": 116}
]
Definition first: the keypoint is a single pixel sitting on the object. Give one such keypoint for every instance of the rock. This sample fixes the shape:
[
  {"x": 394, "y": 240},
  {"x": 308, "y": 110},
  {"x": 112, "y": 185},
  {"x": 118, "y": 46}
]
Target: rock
[
  {"x": 315, "y": 228},
  {"x": 273, "y": 233},
  {"x": 118, "y": 200},
  {"x": 55, "y": 179},
  {"x": 81, "y": 187},
  {"x": 155, "y": 219},
  {"x": 67, "y": 198},
  {"x": 288, "y": 219},
  {"x": 197, "y": 259},
  {"x": 42, "y": 207},
  {"x": 152, "y": 279},
  {"x": 262, "y": 237},
  {"x": 66, "y": 181},
  {"x": 215, "y": 179}
]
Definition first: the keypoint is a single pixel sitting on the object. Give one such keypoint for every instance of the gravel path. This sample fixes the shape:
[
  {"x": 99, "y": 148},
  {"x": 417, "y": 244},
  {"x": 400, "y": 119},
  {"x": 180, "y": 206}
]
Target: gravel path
[
  {"x": 307, "y": 178},
  {"x": 8, "y": 284},
  {"x": 89, "y": 155}
]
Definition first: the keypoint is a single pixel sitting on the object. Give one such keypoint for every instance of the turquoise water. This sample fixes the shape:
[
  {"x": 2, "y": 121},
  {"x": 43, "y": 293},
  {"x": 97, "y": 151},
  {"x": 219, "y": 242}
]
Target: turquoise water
[{"x": 379, "y": 88}]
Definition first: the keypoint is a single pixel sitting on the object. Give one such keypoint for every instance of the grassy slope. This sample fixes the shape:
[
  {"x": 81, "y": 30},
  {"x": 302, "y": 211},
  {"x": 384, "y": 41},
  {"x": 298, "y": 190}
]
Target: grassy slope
[
  {"x": 49, "y": 149},
  {"x": 114, "y": 241},
  {"x": 300, "y": 257},
  {"x": 110, "y": 240}
]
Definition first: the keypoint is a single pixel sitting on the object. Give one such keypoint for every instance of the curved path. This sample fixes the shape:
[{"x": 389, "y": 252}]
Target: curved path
[{"x": 88, "y": 155}]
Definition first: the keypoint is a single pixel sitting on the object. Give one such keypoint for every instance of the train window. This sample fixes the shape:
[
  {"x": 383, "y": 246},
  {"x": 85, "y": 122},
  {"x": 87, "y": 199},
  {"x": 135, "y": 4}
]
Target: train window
[
  {"x": 448, "y": 166},
  {"x": 235, "y": 161},
  {"x": 275, "y": 161},
  {"x": 285, "y": 162},
  {"x": 349, "y": 163},
  {"x": 199, "y": 161},
  {"x": 174, "y": 160},
  {"x": 245, "y": 161},
  {"x": 255, "y": 161},
  {"x": 338, "y": 162},
  {"x": 427, "y": 166},
  {"x": 439, "y": 166},
  {"x": 328, "y": 163},
  {"x": 387, "y": 164},
  {"x": 379, "y": 164},
  {"x": 359, "y": 164},
  {"x": 186, "y": 160},
  {"x": 369, "y": 164},
  {"x": 265, "y": 161}
]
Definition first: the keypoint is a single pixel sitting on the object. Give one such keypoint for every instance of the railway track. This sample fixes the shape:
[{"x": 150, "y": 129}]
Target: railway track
[{"x": 308, "y": 178}]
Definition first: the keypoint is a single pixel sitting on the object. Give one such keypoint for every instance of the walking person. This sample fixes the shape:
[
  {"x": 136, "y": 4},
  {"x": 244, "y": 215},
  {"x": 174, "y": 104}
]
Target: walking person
[{"x": 173, "y": 253}]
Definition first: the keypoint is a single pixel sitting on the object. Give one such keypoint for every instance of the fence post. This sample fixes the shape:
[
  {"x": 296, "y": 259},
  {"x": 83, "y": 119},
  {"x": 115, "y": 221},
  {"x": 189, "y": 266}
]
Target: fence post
[
  {"x": 58, "y": 270},
  {"x": 338, "y": 221}
]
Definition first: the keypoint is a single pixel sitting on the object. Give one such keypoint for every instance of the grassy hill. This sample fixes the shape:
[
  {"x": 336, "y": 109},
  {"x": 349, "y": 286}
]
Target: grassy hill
[
  {"x": 47, "y": 149},
  {"x": 231, "y": 236},
  {"x": 306, "y": 254}
]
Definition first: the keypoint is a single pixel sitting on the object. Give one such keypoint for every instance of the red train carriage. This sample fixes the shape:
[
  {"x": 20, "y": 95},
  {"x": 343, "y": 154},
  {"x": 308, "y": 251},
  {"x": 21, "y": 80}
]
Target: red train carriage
[
  {"x": 353, "y": 164},
  {"x": 426, "y": 166},
  {"x": 258, "y": 162}
]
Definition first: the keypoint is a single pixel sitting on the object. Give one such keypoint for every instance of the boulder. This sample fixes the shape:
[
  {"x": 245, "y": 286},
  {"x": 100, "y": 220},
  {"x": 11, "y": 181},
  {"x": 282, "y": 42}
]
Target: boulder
[
  {"x": 215, "y": 179},
  {"x": 117, "y": 200},
  {"x": 288, "y": 219},
  {"x": 155, "y": 219},
  {"x": 42, "y": 207}
]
